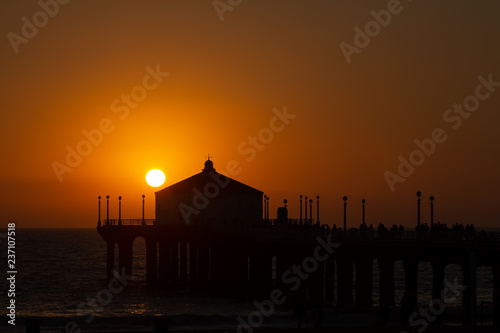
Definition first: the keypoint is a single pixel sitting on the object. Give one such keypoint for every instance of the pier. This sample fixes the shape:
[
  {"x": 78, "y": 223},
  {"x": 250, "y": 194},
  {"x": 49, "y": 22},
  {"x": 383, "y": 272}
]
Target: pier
[
  {"x": 213, "y": 235},
  {"x": 239, "y": 261}
]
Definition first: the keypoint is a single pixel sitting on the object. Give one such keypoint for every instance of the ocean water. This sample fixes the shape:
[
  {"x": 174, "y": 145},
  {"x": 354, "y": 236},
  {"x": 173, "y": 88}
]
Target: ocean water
[{"x": 58, "y": 269}]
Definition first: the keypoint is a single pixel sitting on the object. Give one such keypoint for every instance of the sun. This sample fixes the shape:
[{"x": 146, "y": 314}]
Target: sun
[{"x": 155, "y": 178}]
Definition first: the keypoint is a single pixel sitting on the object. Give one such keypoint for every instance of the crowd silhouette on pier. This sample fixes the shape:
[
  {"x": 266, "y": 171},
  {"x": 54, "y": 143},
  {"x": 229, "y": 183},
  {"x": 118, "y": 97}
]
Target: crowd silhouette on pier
[{"x": 456, "y": 231}]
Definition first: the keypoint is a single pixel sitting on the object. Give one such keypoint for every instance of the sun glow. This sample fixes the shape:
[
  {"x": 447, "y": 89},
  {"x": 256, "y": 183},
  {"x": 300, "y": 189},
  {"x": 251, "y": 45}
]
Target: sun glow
[{"x": 155, "y": 178}]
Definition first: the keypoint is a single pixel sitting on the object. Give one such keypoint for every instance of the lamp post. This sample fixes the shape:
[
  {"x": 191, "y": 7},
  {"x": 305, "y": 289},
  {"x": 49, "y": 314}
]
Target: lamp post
[
  {"x": 317, "y": 209},
  {"x": 143, "y": 221},
  {"x": 432, "y": 210},
  {"x": 311, "y": 211},
  {"x": 418, "y": 207},
  {"x": 345, "y": 212},
  {"x": 99, "y": 219},
  {"x": 120, "y": 210},
  {"x": 107, "y": 210},
  {"x": 363, "y": 205},
  {"x": 265, "y": 207},
  {"x": 300, "y": 208},
  {"x": 305, "y": 206}
]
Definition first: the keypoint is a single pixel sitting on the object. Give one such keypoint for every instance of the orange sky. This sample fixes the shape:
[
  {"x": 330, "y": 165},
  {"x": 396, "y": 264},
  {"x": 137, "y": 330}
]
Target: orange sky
[{"x": 352, "y": 119}]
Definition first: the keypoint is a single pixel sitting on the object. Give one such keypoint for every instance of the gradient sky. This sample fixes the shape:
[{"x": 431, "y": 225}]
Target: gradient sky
[{"x": 225, "y": 78}]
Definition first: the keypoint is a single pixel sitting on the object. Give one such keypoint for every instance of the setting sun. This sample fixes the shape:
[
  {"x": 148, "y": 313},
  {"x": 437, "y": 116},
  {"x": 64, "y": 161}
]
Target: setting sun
[{"x": 155, "y": 178}]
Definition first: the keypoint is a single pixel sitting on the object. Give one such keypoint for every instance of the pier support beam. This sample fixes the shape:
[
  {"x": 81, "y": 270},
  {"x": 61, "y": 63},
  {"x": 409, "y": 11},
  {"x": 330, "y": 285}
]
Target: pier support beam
[
  {"x": 410, "y": 300},
  {"x": 469, "y": 294},
  {"x": 438, "y": 268},
  {"x": 163, "y": 261},
  {"x": 239, "y": 272},
  {"x": 183, "y": 263},
  {"x": 330, "y": 280},
  {"x": 316, "y": 283},
  {"x": 286, "y": 258},
  {"x": 265, "y": 272},
  {"x": 203, "y": 266},
  {"x": 386, "y": 269},
  {"x": 496, "y": 293},
  {"x": 316, "y": 270},
  {"x": 110, "y": 259},
  {"x": 364, "y": 281},
  {"x": 193, "y": 265},
  {"x": 260, "y": 272},
  {"x": 284, "y": 262},
  {"x": 125, "y": 255},
  {"x": 253, "y": 277},
  {"x": 220, "y": 267},
  {"x": 344, "y": 279},
  {"x": 386, "y": 286},
  {"x": 437, "y": 278},
  {"x": 151, "y": 261},
  {"x": 174, "y": 264}
]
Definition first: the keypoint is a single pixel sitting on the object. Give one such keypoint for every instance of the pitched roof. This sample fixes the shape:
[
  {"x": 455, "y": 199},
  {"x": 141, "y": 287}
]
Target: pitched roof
[{"x": 209, "y": 175}]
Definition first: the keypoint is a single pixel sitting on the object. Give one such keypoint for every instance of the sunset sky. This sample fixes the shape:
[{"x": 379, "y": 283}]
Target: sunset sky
[{"x": 206, "y": 79}]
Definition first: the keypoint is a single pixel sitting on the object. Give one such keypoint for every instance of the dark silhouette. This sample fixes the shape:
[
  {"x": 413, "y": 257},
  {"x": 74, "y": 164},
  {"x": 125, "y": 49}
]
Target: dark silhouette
[
  {"x": 319, "y": 314},
  {"x": 235, "y": 256},
  {"x": 301, "y": 307}
]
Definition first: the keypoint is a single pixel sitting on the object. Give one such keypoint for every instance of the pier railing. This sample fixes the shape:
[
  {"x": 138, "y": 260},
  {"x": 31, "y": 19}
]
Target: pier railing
[
  {"x": 450, "y": 235},
  {"x": 128, "y": 222},
  {"x": 268, "y": 230},
  {"x": 412, "y": 234}
]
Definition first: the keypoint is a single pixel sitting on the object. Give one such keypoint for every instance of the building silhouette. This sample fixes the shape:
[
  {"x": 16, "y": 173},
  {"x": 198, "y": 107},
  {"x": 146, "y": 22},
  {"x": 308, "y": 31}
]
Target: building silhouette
[{"x": 208, "y": 199}]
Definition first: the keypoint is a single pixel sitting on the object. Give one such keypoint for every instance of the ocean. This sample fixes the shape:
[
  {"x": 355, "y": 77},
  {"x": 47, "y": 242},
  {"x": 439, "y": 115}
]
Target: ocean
[{"x": 59, "y": 269}]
